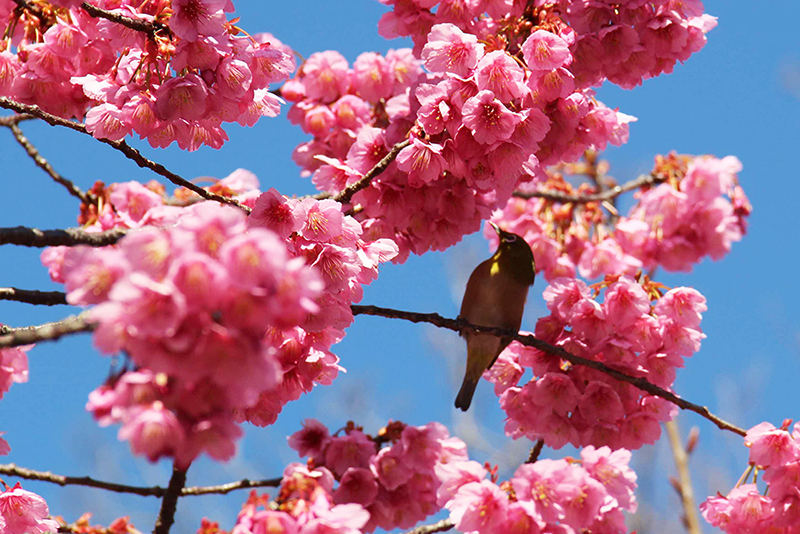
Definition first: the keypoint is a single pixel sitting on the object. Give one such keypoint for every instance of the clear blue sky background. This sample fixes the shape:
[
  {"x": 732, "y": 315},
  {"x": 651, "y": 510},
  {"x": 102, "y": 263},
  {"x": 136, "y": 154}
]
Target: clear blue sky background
[{"x": 740, "y": 96}]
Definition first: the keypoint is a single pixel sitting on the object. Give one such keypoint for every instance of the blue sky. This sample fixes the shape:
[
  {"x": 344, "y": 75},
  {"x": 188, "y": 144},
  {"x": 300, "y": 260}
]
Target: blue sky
[{"x": 734, "y": 97}]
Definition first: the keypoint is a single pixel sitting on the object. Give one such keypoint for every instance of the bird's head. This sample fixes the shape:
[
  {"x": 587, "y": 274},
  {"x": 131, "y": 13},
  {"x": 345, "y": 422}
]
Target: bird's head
[{"x": 514, "y": 256}]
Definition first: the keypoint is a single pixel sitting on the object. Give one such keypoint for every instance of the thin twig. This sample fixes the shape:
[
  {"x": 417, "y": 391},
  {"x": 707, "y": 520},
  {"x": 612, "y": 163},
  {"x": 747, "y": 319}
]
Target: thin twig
[
  {"x": 143, "y": 491},
  {"x": 458, "y": 325},
  {"x": 608, "y": 194},
  {"x": 30, "y": 296},
  {"x": 16, "y": 118},
  {"x": 127, "y": 150},
  {"x": 535, "y": 452},
  {"x": 169, "y": 504},
  {"x": 43, "y": 164},
  {"x": 144, "y": 26},
  {"x": 347, "y": 193},
  {"x": 70, "y": 237},
  {"x": 16, "y": 337},
  {"x": 441, "y": 526},
  {"x": 684, "y": 483}
]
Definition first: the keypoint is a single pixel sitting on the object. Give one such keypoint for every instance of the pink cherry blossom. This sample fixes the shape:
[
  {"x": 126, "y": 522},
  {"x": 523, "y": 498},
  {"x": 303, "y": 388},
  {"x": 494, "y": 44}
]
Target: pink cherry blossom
[{"x": 23, "y": 512}]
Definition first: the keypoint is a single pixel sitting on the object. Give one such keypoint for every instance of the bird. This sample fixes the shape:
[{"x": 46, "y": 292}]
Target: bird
[{"x": 495, "y": 296}]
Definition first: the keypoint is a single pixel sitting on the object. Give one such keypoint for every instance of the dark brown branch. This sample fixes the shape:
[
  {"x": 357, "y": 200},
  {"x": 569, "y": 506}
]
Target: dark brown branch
[
  {"x": 46, "y": 476},
  {"x": 222, "y": 489},
  {"x": 150, "y": 28},
  {"x": 144, "y": 491},
  {"x": 30, "y": 296},
  {"x": 535, "y": 452},
  {"x": 43, "y": 164},
  {"x": 347, "y": 193},
  {"x": 169, "y": 504},
  {"x": 16, "y": 337},
  {"x": 127, "y": 150},
  {"x": 458, "y": 325},
  {"x": 441, "y": 526},
  {"x": 608, "y": 194},
  {"x": 683, "y": 485},
  {"x": 33, "y": 237}
]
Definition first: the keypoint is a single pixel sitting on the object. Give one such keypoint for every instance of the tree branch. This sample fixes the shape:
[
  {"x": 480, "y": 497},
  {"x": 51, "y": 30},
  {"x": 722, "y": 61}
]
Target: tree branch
[
  {"x": 347, "y": 193},
  {"x": 127, "y": 150},
  {"x": 535, "y": 452},
  {"x": 608, "y": 194},
  {"x": 33, "y": 237},
  {"x": 43, "y": 164},
  {"x": 169, "y": 504},
  {"x": 457, "y": 325},
  {"x": 441, "y": 526},
  {"x": 684, "y": 483},
  {"x": 144, "y": 26},
  {"x": 29, "y": 296},
  {"x": 16, "y": 337},
  {"x": 144, "y": 491},
  {"x": 10, "y": 120}
]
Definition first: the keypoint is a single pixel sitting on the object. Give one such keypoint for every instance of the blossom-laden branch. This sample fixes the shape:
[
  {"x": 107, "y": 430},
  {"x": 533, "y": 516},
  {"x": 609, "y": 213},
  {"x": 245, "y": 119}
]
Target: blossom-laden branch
[
  {"x": 16, "y": 337},
  {"x": 150, "y": 28},
  {"x": 459, "y": 325},
  {"x": 169, "y": 504},
  {"x": 81, "y": 323},
  {"x": 608, "y": 194},
  {"x": 144, "y": 491},
  {"x": 42, "y": 163},
  {"x": 33, "y": 237},
  {"x": 348, "y": 192},
  {"x": 29, "y": 296},
  {"x": 127, "y": 150},
  {"x": 683, "y": 485}
]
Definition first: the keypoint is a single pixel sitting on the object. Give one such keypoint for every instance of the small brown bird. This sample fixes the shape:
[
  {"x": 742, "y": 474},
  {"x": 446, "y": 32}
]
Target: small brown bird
[{"x": 495, "y": 296}]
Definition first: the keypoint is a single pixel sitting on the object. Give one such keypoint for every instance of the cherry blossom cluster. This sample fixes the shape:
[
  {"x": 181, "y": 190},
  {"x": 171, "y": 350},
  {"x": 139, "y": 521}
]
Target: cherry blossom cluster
[
  {"x": 226, "y": 317},
  {"x": 121, "y": 525},
  {"x": 193, "y": 70},
  {"x": 698, "y": 210},
  {"x": 304, "y": 504},
  {"x": 397, "y": 484},
  {"x": 625, "y": 42},
  {"x": 24, "y": 512},
  {"x": 567, "y": 495},
  {"x": 483, "y": 119},
  {"x": 635, "y": 330},
  {"x": 776, "y": 453}
]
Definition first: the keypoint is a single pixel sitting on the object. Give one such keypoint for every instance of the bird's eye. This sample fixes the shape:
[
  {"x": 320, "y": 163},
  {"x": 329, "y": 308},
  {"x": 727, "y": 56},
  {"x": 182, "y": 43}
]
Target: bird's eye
[{"x": 510, "y": 238}]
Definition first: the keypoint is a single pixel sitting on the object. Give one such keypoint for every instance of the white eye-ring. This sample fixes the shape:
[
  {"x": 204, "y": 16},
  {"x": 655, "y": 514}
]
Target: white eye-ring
[{"x": 509, "y": 238}]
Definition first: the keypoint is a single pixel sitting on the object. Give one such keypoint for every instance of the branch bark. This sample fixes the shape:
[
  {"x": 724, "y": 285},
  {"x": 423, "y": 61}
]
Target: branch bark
[
  {"x": 348, "y": 192},
  {"x": 684, "y": 483},
  {"x": 70, "y": 237},
  {"x": 144, "y": 491},
  {"x": 458, "y": 325},
  {"x": 43, "y": 164},
  {"x": 169, "y": 504},
  {"x": 41, "y": 298},
  {"x": 441, "y": 526},
  {"x": 127, "y": 150},
  {"x": 16, "y": 337},
  {"x": 150, "y": 28},
  {"x": 608, "y": 194}
]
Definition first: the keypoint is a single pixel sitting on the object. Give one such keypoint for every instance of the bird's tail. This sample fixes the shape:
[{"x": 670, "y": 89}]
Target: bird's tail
[{"x": 464, "y": 398}]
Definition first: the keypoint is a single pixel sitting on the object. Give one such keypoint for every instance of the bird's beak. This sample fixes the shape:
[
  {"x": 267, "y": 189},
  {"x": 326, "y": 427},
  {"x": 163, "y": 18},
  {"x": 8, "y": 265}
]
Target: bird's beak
[{"x": 496, "y": 228}]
